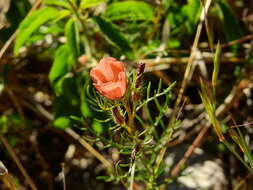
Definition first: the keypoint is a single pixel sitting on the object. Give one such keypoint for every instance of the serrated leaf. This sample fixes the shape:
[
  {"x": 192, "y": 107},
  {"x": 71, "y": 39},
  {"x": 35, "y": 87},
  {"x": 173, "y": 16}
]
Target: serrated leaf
[
  {"x": 60, "y": 64},
  {"x": 231, "y": 27},
  {"x": 71, "y": 32},
  {"x": 90, "y": 3},
  {"x": 31, "y": 23},
  {"x": 130, "y": 10},
  {"x": 113, "y": 34}
]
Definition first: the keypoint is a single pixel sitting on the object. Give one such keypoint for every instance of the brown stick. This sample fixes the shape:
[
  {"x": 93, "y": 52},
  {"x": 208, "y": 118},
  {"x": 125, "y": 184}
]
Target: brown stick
[
  {"x": 18, "y": 163},
  {"x": 189, "y": 152},
  {"x": 219, "y": 111}
]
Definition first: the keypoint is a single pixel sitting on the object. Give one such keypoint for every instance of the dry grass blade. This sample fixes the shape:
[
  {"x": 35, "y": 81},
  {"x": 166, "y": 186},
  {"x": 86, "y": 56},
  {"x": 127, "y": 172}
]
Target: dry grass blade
[
  {"x": 193, "y": 54},
  {"x": 18, "y": 163}
]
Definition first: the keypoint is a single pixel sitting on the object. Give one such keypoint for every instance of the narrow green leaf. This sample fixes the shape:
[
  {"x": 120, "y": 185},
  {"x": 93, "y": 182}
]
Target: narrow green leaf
[
  {"x": 210, "y": 109},
  {"x": 85, "y": 105},
  {"x": 60, "y": 64},
  {"x": 231, "y": 27},
  {"x": 164, "y": 92},
  {"x": 60, "y": 3},
  {"x": 248, "y": 153},
  {"x": 113, "y": 34},
  {"x": 31, "y": 23},
  {"x": 130, "y": 10},
  {"x": 62, "y": 14},
  {"x": 216, "y": 65},
  {"x": 71, "y": 32},
  {"x": 90, "y": 3},
  {"x": 210, "y": 36},
  {"x": 237, "y": 155}
]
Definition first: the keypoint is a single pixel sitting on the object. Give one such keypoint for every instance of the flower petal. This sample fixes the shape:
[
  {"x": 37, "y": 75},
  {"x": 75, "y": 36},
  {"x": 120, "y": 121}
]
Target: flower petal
[{"x": 109, "y": 78}]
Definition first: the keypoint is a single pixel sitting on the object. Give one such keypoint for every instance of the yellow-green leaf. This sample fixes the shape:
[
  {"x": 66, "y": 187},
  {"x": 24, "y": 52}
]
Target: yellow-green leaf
[
  {"x": 72, "y": 34},
  {"x": 31, "y": 23},
  {"x": 90, "y": 3},
  {"x": 130, "y": 10}
]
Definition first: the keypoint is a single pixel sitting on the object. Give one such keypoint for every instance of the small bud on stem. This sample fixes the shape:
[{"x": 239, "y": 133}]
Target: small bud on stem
[
  {"x": 136, "y": 96},
  {"x": 140, "y": 71},
  {"x": 117, "y": 115}
]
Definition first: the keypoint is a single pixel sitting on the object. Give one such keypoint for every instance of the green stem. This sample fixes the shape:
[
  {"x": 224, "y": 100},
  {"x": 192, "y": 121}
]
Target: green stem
[
  {"x": 130, "y": 114},
  {"x": 78, "y": 16}
]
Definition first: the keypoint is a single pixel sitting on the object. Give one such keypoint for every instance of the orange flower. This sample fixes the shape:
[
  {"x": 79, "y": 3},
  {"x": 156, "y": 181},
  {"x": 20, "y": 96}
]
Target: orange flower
[{"x": 109, "y": 78}]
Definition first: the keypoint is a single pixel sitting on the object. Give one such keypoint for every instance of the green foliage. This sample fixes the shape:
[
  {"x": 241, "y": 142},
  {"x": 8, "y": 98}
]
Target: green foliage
[
  {"x": 60, "y": 65},
  {"x": 60, "y": 3},
  {"x": 16, "y": 13},
  {"x": 9, "y": 121},
  {"x": 62, "y": 14},
  {"x": 193, "y": 9},
  {"x": 72, "y": 35},
  {"x": 62, "y": 122},
  {"x": 216, "y": 65},
  {"x": 97, "y": 126},
  {"x": 113, "y": 34},
  {"x": 130, "y": 10},
  {"x": 90, "y": 3},
  {"x": 230, "y": 25},
  {"x": 31, "y": 24},
  {"x": 3, "y": 124}
]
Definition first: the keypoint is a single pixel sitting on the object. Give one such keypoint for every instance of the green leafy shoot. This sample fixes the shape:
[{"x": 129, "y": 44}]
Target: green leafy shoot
[
  {"x": 149, "y": 99},
  {"x": 210, "y": 109},
  {"x": 216, "y": 66},
  {"x": 230, "y": 24},
  {"x": 90, "y": 3},
  {"x": 72, "y": 34},
  {"x": 239, "y": 140},
  {"x": 113, "y": 34},
  {"x": 31, "y": 24},
  {"x": 58, "y": 3},
  {"x": 130, "y": 10},
  {"x": 60, "y": 64}
]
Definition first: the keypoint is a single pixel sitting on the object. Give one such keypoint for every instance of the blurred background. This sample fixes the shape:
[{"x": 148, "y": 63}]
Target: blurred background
[{"x": 42, "y": 88}]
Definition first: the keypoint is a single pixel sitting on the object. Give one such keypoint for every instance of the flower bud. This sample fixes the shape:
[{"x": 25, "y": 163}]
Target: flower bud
[
  {"x": 109, "y": 78},
  {"x": 140, "y": 71},
  {"x": 136, "y": 96},
  {"x": 118, "y": 117}
]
